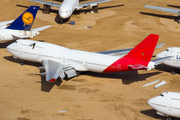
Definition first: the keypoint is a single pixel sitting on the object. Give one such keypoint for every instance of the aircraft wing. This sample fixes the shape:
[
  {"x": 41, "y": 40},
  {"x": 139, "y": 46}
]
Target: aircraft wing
[
  {"x": 170, "y": 10},
  {"x": 124, "y": 51},
  {"x": 41, "y": 28},
  {"x": 47, "y": 3},
  {"x": 159, "y": 60},
  {"x": 3, "y": 24},
  {"x": 54, "y": 69},
  {"x": 90, "y": 4}
]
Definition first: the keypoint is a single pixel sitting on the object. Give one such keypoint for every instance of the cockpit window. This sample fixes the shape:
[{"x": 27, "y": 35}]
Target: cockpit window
[
  {"x": 162, "y": 95},
  {"x": 167, "y": 49}
]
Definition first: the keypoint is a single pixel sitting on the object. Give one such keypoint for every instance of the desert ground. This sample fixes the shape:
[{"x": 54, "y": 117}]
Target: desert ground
[{"x": 24, "y": 95}]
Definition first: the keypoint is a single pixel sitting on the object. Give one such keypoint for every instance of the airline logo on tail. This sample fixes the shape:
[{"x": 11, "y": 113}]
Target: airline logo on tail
[{"x": 27, "y": 18}]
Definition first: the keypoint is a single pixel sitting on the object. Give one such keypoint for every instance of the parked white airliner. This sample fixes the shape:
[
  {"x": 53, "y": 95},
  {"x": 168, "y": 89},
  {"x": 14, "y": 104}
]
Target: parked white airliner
[
  {"x": 68, "y": 6},
  {"x": 173, "y": 61},
  {"x": 59, "y": 61},
  {"x": 166, "y": 104},
  {"x": 21, "y": 27},
  {"x": 170, "y": 10}
]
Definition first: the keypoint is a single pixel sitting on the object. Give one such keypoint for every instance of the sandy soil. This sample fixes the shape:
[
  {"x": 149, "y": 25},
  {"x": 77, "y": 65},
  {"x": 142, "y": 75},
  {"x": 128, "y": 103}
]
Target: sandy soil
[{"x": 92, "y": 96}]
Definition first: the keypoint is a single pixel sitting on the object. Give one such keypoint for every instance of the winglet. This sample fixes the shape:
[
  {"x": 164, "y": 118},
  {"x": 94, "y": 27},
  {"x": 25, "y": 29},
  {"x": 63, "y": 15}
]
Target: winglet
[{"x": 25, "y": 20}]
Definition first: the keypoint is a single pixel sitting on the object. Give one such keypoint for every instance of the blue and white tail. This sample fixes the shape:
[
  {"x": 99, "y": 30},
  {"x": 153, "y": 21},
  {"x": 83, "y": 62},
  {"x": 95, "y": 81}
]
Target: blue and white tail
[{"x": 25, "y": 20}]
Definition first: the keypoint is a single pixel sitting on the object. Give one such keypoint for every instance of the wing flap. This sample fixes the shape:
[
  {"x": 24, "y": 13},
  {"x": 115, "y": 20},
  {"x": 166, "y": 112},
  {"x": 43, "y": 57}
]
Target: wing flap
[
  {"x": 170, "y": 10},
  {"x": 5, "y": 23},
  {"x": 55, "y": 69}
]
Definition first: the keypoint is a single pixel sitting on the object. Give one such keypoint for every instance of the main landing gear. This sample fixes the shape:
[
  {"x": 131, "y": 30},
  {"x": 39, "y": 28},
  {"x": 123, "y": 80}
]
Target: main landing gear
[{"x": 46, "y": 9}]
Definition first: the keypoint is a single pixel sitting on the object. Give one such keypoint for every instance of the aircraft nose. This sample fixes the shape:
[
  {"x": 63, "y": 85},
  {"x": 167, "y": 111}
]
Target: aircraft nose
[
  {"x": 10, "y": 48},
  {"x": 64, "y": 15}
]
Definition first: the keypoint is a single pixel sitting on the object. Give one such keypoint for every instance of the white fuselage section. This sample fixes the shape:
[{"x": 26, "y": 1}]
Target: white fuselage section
[
  {"x": 8, "y": 34},
  {"x": 175, "y": 60},
  {"x": 79, "y": 60},
  {"x": 167, "y": 104},
  {"x": 67, "y": 7}
]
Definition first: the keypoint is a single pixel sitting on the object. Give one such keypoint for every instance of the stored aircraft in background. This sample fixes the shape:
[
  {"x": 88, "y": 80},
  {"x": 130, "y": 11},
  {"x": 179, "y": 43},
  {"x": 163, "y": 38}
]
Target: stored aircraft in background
[
  {"x": 68, "y": 6},
  {"x": 21, "y": 27},
  {"x": 170, "y": 10},
  {"x": 63, "y": 62},
  {"x": 166, "y": 104},
  {"x": 173, "y": 61}
]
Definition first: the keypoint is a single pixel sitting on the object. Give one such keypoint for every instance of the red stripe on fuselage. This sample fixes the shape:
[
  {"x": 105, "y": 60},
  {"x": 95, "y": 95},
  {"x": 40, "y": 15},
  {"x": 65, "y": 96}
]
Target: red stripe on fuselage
[{"x": 122, "y": 65}]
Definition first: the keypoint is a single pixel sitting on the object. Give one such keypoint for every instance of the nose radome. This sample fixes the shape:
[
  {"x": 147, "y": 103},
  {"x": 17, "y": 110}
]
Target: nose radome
[
  {"x": 8, "y": 47},
  {"x": 64, "y": 15}
]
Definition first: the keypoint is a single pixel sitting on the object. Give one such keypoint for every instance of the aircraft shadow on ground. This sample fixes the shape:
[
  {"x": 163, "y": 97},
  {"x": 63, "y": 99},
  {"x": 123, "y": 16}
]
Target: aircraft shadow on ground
[
  {"x": 159, "y": 15},
  {"x": 164, "y": 68},
  {"x": 127, "y": 77},
  {"x": 174, "y": 6},
  {"x": 5, "y": 44},
  {"x": 153, "y": 113},
  {"x": 45, "y": 86}
]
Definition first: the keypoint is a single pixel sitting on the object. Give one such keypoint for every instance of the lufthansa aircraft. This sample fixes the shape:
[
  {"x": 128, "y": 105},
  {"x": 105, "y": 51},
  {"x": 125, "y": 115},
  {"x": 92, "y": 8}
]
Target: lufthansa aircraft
[
  {"x": 170, "y": 10},
  {"x": 166, "y": 104},
  {"x": 68, "y": 6},
  {"x": 62, "y": 62},
  {"x": 21, "y": 27},
  {"x": 174, "y": 61}
]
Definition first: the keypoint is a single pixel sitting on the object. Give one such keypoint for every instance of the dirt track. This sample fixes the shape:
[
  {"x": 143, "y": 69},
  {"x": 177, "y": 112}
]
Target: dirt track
[{"x": 92, "y": 96}]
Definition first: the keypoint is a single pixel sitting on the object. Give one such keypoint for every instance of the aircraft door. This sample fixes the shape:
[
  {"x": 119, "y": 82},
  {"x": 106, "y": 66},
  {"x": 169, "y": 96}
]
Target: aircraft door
[{"x": 170, "y": 107}]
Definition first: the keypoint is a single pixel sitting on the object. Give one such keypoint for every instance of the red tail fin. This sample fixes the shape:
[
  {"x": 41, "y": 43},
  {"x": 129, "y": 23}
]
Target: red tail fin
[
  {"x": 138, "y": 58},
  {"x": 144, "y": 50}
]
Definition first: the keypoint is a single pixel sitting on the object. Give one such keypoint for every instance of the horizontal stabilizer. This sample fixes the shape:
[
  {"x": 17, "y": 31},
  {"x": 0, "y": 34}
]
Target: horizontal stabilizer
[
  {"x": 41, "y": 28},
  {"x": 123, "y": 51},
  {"x": 160, "y": 45},
  {"x": 159, "y": 60},
  {"x": 137, "y": 66},
  {"x": 5, "y": 23},
  {"x": 170, "y": 10}
]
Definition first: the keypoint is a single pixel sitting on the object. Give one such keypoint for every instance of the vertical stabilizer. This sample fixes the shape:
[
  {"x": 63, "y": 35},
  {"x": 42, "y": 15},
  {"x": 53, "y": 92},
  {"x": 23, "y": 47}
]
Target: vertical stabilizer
[
  {"x": 138, "y": 58},
  {"x": 144, "y": 50},
  {"x": 25, "y": 20}
]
